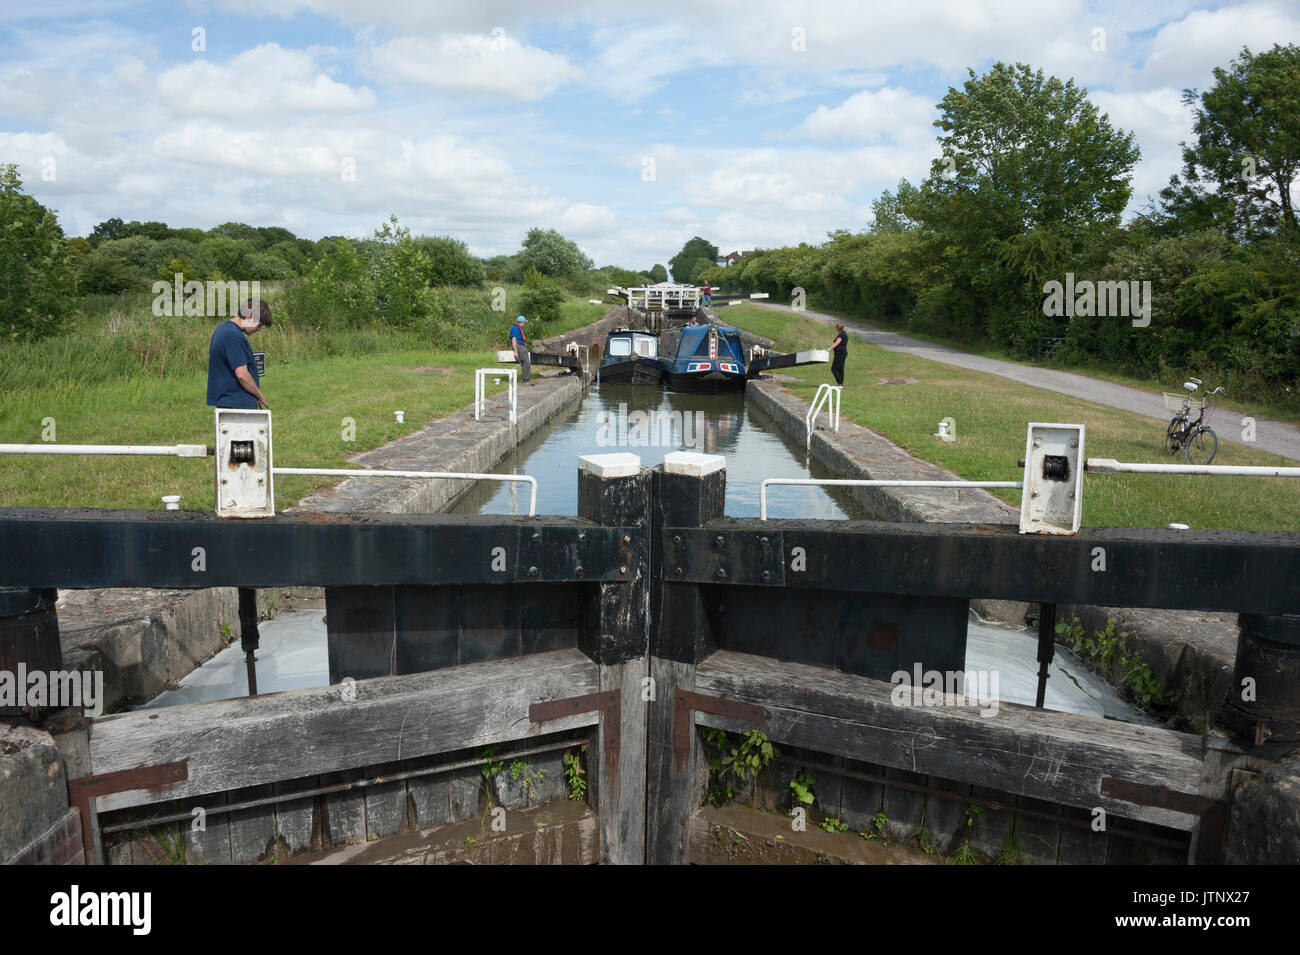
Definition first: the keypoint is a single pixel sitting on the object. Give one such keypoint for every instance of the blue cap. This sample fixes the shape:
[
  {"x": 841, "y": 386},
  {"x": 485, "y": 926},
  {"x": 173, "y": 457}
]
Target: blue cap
[{"x": 520, "y": 320}]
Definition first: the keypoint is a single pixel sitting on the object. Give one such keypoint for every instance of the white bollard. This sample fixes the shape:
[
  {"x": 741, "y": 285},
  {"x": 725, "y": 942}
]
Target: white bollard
[
  {"x": 172, "y": 502},
  {"x": 400, "y": 416}
]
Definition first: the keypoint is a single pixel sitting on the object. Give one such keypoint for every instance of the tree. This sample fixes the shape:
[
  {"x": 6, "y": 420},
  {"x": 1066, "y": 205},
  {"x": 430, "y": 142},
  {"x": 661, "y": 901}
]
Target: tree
[
  {"x": 1239, "y": 173},
  {"x": 450, "y": 262},
  {"x": 683, "y": 262},
  {"x": 658, "y": 273},
  {"x": 113, "y": 228},
  {"x": 551, "y": 254},
  {"x": 887, "y": 212},
  {"x": 1029, "y": 168},
  {"x": 36, "y": 273}
]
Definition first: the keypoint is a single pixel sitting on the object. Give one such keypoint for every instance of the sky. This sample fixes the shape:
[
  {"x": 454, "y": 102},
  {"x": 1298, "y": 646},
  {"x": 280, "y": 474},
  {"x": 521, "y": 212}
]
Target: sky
[{"x": 629, "y": 128}]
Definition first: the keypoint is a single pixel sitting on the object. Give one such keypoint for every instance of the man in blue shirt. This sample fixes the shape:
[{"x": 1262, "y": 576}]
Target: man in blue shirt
[
  {"x": 232, "y": 372},
  {"x": 520, "y": 345}
]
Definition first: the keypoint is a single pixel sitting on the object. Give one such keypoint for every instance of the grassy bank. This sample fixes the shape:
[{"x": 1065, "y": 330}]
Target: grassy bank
[
  {"x": 1283, "y": 408},
  {"x": 991, "y": 415},
  {"x": 124, "y": 376}
]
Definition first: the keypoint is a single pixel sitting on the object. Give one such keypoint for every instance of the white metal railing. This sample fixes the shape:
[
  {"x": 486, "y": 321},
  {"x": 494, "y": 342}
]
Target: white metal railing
[
  {"x": 828, "y": 395},
  {"x": 166, "y": 451},
  {"x": 1111, "y": 466},
  {"x": 460, "y": 476},
  {"x": 480, "y": 390},
  {"x": 849, "y": 482}
]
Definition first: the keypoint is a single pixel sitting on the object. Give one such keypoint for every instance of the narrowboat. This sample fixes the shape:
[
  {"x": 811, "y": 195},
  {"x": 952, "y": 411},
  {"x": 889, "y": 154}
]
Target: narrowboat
[{"x": 631, "y": 357}]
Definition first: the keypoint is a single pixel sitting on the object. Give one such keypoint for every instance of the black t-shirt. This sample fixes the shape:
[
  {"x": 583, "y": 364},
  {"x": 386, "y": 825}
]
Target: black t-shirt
[{"x": 842, "y": 349}]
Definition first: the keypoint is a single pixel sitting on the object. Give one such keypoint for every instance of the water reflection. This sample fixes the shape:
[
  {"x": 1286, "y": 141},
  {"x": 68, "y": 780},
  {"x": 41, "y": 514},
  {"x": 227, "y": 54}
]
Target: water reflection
[{"x": 648, "y": 421}]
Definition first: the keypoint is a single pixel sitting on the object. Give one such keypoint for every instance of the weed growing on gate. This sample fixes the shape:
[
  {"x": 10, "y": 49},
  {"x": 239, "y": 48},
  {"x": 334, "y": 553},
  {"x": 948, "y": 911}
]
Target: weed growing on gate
[
  {"x": 730, "y": 764},
  {"x": 574, "y": 776},
  {"x": 801, "y": 788},
  {"x": 1133, "y": 676},
  {"x": 172, "y": 846},
  {"x": 878, "y": 823},
  {"x": 489, "y": 771},
  {"x": 527, "y": 777}
]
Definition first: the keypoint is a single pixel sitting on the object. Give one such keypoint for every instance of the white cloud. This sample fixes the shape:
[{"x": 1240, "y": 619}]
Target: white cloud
[
  {"x": 872, "y": 115},
  {"x": 474, "y": 63},
  {"x": 1187, "y": 50},
  {"x": 264, "y": 80}
]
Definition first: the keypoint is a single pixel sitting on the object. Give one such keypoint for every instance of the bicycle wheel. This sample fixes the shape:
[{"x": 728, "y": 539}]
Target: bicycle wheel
[
  {"x": 1201, "y": 446},
  {"x": 1173, "y": 436}
]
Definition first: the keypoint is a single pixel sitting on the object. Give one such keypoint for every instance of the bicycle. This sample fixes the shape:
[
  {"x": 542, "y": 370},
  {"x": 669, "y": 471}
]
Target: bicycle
[{"x": 1189, "y": 430}]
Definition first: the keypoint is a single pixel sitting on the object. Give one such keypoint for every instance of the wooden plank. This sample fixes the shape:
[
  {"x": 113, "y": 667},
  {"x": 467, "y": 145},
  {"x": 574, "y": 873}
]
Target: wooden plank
[
  {"x": 252, "y": 831},
  {"x": 426, "y": 798},
  {"x": 622, "y": 821},
  {"x": 230, "y": 744},
  {"x": 345, "y": 812},
  {"x": 672, "y": 792},
  {"x": 1054, "y": 756},
  {"x": 295, "y": 819},
  {"x": 385, "y": 803}
]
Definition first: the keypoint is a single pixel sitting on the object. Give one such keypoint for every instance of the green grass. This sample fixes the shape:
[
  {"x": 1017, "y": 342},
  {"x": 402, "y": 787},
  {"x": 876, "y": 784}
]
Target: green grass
[
  {"x": 992, "y": 414},
  {"x": 124, "y": 376},
  {"x": 1287, "y": 409}
]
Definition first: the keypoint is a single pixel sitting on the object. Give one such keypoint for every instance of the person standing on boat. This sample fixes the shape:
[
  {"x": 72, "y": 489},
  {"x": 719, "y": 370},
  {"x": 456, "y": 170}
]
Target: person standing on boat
[
  {"x": 841, "y": 349},
  {"x": 519, "y": 343}
]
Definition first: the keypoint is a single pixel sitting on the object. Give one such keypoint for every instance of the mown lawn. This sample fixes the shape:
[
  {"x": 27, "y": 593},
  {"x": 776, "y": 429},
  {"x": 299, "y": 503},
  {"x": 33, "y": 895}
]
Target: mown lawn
[
  {"x": 992, "y": 414},
  {"x": 123, "y": 376}
]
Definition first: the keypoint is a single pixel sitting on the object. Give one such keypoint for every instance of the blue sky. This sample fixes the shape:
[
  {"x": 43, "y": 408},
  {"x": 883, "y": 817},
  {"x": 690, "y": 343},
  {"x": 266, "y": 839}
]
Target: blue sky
[{"x": 628, "y": 127}]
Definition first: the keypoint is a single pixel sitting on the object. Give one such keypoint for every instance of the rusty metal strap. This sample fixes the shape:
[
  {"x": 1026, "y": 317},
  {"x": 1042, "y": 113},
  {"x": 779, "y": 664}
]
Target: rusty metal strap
[
  {"x": 686, "y": 702},
  {"x": 608, "y": 704},
  {"x": 82, "y": 789},
  {"x": 1213, "y": 813}
]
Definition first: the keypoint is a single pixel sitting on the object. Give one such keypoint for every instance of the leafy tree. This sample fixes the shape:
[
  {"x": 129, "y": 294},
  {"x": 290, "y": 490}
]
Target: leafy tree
[
  {"x": 239, "y": 230},
  {"x": 551, "y": 254},
  {"x": 541, "y": 305},
  {"x": 229, "y": 256},
  {"x": 888, "y": 212},
  {"x": 335, "y": 292},
  {"x": 1028, "y": 167},
  {"x": 108, "y": 229},
  {"x": 658, "y": 273},
  {"x": 400, "y": 276},
  {"x": 101, "y": 273},
  {"x": 683, "y": 262},
  {"x": 1239, "y": 173},
  {"x": 36, "y": 276},
  {"x": 450, "y": 262}
]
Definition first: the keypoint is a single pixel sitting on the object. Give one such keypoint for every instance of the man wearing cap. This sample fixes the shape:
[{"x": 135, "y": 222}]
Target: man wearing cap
[
  {"x": 520, "y": 344},
  {"x": 232, "y": 372}
]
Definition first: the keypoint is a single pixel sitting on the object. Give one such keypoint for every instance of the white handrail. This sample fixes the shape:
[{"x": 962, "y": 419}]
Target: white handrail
[
  {"x": 461, "y": 476},
  {"x": 480, "y": 390},
  {"x": 1111, "y": 466},
  {"x": 851, "y": 482},
  {"x": 828, "y": 395},
  {"x": 175, "y": 450}
]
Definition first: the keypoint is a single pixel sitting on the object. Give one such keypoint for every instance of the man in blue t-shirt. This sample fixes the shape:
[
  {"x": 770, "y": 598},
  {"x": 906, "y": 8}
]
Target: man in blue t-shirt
[
  {"x": 232, "y": 372},
  {"x": 520, "y": 345}
]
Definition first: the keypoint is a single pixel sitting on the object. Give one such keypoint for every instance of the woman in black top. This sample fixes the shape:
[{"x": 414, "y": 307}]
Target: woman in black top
[{"x": 841, "y": 349}]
